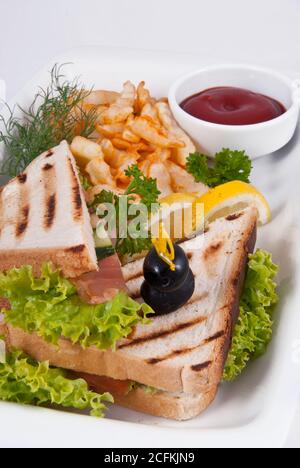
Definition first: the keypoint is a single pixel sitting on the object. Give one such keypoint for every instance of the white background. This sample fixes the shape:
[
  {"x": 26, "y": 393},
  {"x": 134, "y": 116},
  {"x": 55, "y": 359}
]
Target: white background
[{"x": 265, "y": 32}]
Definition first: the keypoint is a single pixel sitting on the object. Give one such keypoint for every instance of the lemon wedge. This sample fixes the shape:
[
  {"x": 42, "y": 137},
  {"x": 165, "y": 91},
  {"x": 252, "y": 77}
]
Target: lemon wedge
[
  {"x": 231, "y": 197},
  {"x": 189, "y": 213},
  {"x": 179, "y": 198},
  {"x": 182, "y": 217}
]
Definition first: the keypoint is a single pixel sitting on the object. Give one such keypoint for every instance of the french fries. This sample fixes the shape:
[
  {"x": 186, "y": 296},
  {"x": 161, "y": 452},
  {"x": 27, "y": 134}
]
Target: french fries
[
  {"x": 134, "y": 128},
  {"x": 144, "y": 128},
  {"x": 122, "y": 108},
  {"x": 150, "y": 113},
  {"x": 110, "y": 131},
  {"x": 143, "y": 98},
  {"x": 101, "y": 98},
  {"x": 129, "y": 136},
  {"x": 157, "y": 170},
  {"x": 85, "y": 151},
  {"x": 180, "y": 155},
  {"x": 182, "y": 181},
  {"x": 99, "y": 172}
]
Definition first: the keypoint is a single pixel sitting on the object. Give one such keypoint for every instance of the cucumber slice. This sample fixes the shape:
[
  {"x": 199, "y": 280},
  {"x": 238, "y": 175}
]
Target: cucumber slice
[
  {"x": 104, "y": 252},
  {"x": 101, "y": 237},
  {"x": 103, "y": 244}
]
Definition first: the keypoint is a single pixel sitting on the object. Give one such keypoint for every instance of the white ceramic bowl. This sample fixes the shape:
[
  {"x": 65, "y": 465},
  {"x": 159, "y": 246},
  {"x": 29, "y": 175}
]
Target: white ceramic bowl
[{"x": 257, "y": 139}]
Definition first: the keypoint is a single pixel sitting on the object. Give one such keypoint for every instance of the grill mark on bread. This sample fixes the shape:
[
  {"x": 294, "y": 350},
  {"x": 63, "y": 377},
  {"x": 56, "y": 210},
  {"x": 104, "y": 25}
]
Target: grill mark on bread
[
  {"x": 22, "y": 178},
  {"x": 23, "y": 210},
  {"x": 77, "y": 201},
  {"x": 76, "y": 194},
  {"x": 200, "y": 367},
  {"x": 178, "y": 352},
  {"x": 214, "y": 337},
  {"x": 48, "y": 167},
  {"x": 163, "y": 333},
  {"x": 50, "y": 201},
  {"x": 76, "y": 249},
  {"x": 212, "y": 249},
  {"x": 173, "y": 354},
  {"x": 50, "y": 211},
  {"x": 23, "y": 220},
  {"x": 196, "y": 298},
  {"x": 134, "y": 276},
  {"x": 234, "y": 216},
  {"x": 49, "y": 153}
]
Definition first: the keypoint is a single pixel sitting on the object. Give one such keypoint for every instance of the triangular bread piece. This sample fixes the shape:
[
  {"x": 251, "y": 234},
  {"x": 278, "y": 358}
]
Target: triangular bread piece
[
  {"x": 185, "y": 351},
  {"x": 44, "y": 217}
]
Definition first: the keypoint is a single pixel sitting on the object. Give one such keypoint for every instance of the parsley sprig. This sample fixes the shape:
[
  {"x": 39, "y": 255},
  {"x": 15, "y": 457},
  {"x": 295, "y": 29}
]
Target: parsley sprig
[
  {"x": 228, "y": 165},
  {"x": 146, "y": 189}
]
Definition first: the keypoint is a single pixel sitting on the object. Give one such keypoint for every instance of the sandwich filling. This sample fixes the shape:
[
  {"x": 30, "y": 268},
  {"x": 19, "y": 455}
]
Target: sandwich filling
[{"x": 50, "y": 306}]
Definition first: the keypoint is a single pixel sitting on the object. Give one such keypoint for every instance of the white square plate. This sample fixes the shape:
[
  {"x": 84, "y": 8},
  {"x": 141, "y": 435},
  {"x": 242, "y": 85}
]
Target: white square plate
[{"x": 257, "y": 409}]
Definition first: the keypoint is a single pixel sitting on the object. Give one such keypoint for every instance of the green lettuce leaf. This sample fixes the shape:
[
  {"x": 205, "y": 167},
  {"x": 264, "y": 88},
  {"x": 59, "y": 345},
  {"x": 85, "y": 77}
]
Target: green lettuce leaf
[
  {"x": 50, "y": 307},
  {"x": 253, "y": 331},
  {"x": 23, "y": 380},
  {"x": 84, "y": 180},
  {"x": 147, "y": 388}
]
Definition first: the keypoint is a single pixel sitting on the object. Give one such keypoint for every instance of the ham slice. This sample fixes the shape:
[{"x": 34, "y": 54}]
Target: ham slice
[
  {"x": 4, "y": 303},
  {"x": 105, "y": 384},
  {"x": 96, "y": 287},
  {"x": 103, "y": 285}
]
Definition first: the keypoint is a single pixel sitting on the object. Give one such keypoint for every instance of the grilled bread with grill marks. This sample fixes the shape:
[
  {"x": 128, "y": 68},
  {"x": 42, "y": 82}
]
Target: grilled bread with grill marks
[
  {"x": 44, "y": 217},
  {"x": 182, "y": 352}
]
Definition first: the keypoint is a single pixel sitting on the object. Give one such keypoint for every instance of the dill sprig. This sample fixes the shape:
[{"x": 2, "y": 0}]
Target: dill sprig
[{"x": 56, "y": 114}]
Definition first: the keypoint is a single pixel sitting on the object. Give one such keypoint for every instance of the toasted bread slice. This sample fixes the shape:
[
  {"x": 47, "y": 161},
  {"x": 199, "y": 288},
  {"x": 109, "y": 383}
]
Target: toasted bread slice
[
  {"x": 184, "y": 351},
  {"x": 44, "y": 217},
  {"x": 179, "y": 406}
]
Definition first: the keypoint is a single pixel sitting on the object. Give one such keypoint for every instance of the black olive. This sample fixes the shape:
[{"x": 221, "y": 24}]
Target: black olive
[
  {"x": 166, "y": 302},
  {"x": 158, "y": 273}
]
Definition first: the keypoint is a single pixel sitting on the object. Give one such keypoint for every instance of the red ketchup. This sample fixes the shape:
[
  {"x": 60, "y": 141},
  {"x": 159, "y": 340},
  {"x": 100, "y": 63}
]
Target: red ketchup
[{"x": 232, "y": 106}]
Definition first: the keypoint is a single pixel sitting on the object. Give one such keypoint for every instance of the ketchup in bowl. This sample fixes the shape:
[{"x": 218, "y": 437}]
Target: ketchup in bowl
[{"x": 227, "y": 105}]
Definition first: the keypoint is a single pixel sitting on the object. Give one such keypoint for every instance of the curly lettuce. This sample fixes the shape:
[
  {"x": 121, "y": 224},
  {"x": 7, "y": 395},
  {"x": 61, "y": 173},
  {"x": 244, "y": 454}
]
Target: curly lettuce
[
  {"x": 50, "y": 307},
  {"x": 23, "y": 380},
  {"x": 253, "y": 331}
]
